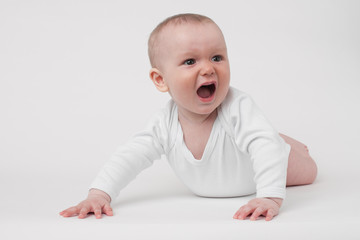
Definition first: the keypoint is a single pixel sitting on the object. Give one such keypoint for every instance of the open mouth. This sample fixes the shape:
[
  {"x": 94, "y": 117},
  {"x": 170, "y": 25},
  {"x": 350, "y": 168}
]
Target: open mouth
[{"x": 206, "y": 91}]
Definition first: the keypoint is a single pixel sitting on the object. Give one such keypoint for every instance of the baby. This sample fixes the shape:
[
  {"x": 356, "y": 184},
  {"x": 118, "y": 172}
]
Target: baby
[{"x": 215, "y": 138}]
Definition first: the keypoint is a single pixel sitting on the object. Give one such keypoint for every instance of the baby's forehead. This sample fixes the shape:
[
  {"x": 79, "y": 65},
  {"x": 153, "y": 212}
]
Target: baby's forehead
[{"x": 173, "y": 32}]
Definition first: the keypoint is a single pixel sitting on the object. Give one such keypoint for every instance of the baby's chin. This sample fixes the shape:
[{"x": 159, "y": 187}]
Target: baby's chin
[{"x": 206, "y": 110}]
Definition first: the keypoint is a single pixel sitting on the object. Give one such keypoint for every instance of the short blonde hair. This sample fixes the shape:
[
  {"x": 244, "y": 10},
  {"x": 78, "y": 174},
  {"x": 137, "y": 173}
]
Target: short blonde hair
[{"x": 178, "y": 19}]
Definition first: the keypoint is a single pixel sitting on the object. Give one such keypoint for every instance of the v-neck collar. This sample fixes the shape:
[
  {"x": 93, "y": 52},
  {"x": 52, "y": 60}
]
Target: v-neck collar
[{"x": 209, "y": 145}]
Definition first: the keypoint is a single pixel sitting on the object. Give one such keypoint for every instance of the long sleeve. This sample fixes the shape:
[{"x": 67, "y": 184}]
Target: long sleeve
[
  {"x": 268, "y": 152},
  {"x": 130, "y": 159}
]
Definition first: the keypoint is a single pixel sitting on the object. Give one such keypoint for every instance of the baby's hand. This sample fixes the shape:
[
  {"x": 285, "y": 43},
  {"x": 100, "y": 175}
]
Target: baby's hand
[
  {"x": 268, "y": 207},
  {"x": 97, "y": 202}
]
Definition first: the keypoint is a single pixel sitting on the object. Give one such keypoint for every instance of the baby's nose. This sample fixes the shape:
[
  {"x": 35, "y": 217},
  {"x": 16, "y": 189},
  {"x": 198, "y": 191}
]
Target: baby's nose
[{"x": 207, "y": 68}]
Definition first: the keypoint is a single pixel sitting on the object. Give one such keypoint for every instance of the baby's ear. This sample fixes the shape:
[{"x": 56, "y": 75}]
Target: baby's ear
[{"x": 158, "y": 80}]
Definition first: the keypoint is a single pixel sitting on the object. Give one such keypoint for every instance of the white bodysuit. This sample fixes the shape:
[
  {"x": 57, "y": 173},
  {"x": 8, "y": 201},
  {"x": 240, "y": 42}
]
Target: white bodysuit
[{"x": 244, "y": 154}]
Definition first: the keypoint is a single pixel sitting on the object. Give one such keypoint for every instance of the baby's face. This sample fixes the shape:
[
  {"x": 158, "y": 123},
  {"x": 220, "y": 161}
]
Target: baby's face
[{"x": 194, "y": 66}]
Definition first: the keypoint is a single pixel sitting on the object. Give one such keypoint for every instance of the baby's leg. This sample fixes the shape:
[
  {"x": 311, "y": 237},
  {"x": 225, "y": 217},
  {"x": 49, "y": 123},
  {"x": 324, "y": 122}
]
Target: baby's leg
[{"x": 301, "y": 168}]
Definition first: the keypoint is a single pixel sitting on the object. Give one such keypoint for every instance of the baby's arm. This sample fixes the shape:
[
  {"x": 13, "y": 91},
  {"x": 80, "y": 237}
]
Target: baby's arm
[
  {"x": 268, "y": 207},
  {"x": 255, "y": 136},
  {"x": 97, "y": 202}
]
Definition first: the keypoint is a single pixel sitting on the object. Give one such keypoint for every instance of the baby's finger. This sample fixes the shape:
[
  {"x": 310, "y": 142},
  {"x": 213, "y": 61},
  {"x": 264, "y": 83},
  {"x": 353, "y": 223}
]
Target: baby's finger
[
  {"x": 258, "y": 211},
  {"x": 238, "y": 212},
  {"x": 245, "y": 211},
  {"x": 236, "y": 215},
  {"x": 97, "y": 211},
  {"x": 270, "y": 214},
  {"x": 108, "y": 210},
  {"x": 69, "y": 212},
  {"x": 84, "y": 211}
]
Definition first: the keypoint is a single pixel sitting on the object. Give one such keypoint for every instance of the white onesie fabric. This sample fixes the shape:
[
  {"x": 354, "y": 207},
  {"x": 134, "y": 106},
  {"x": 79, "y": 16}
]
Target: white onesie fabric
[{"x": 244, "y": 153}]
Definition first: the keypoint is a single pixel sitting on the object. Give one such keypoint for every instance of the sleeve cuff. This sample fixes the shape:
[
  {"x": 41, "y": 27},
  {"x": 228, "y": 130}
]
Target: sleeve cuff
[
  {"x": 271, "y": 192},
  {"x": 108, "y": 191}
]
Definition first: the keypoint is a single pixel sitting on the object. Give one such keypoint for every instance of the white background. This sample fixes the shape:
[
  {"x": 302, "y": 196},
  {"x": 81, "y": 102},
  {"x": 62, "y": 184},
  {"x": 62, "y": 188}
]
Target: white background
[{"x": 74, "y": 85}]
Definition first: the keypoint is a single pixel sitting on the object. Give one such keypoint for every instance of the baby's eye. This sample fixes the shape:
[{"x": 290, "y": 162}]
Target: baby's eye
[
  {"x": 189, "y": 62},
  {"x": 216, "y": 58}
]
